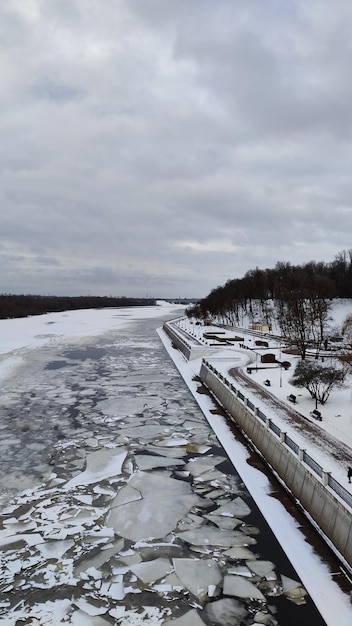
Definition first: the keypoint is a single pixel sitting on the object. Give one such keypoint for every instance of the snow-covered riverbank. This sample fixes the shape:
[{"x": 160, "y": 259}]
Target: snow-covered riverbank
[{"x": 142, "y": 520}]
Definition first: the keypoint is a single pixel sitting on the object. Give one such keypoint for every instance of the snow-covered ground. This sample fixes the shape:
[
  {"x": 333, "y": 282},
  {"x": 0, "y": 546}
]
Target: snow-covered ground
[
  {"x": 54, "y": 531},
  {"x": 336, "y": 413},
  {"x": 315, "y": 575}
]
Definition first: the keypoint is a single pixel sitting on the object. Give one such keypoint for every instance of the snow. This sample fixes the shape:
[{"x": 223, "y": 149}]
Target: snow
[
  {"x": 336, "y": 413},
  {"x": 60, "y": 528},
  {"x": 325, "y": 592},
  {"x": 38, "y": 330}
]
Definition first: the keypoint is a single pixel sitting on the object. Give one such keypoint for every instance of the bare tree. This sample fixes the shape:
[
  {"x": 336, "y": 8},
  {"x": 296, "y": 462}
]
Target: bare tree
[
  {"x": 347, "y": 330},
  {"x": 302, "y": 309},
  {"x": 318, "y": 379}
]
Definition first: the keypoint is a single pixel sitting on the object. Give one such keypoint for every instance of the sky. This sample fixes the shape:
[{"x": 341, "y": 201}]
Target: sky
[{"x": 159, "y": 148}]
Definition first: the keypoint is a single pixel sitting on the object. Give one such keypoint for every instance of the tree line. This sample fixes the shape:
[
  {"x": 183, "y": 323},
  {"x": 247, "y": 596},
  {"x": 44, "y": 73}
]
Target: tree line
[
  {"x": 25, "y": 305},
  {"x": 296, "y": 296},
  {"x": 296, "y": 299}
]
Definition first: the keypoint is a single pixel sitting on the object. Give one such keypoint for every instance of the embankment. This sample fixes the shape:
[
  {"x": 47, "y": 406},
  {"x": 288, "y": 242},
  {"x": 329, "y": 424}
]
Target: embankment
[{"x": 325, "y": 501}]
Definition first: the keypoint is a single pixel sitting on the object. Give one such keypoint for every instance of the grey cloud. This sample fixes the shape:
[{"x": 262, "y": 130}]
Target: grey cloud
[{"x": 157, "y": 147}]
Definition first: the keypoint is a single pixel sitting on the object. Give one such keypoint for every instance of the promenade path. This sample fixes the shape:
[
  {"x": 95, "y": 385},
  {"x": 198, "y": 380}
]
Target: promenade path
[{"x": 331, "y": 446}]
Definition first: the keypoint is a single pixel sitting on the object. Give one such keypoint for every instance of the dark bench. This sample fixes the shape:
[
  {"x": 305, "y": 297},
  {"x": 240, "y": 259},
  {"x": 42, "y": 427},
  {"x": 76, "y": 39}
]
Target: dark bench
[
  {"x": 267, "y": 382},
  {"x": 292, "y": 398},
  {"x": 316, "y": 414}
]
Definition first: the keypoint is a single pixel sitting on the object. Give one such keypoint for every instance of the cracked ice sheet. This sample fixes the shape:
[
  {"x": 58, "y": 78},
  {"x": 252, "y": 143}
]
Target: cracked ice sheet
[
  {"x": 151, "y": 571},
  {"x": 151, "y": 616},
  {"x": 103, "y": 464},
  {"x": 152, "y": 516},
  {"x": 191, "y": 618},
  {"x": 49, "y": 613},
  {"x": 147, "y": 461},
  {"x": 199, "y": 576}
]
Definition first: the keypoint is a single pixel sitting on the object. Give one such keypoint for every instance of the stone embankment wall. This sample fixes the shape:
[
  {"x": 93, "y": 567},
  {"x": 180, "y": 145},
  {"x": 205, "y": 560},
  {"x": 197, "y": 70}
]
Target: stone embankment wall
[{"x": 328, "y": 504}]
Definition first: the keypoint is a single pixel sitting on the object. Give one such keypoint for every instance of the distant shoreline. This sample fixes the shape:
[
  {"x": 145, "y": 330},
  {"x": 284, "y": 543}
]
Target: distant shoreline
[{"x": 26, "y": 305}]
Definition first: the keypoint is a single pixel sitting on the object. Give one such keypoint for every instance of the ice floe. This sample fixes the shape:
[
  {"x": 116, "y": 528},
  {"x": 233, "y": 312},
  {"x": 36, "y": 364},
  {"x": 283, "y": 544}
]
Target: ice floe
[
  {"x": 135, "y": 522},
  {"x": 152, "y": 516}
]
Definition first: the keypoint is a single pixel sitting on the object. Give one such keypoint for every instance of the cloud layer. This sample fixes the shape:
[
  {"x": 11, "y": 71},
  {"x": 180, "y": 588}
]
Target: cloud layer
[{"x": 160, "y": 148}]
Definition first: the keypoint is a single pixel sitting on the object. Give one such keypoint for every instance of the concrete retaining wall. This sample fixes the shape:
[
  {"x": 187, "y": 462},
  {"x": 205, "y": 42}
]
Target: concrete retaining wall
[
  {"x": 331, "y": 515},
  {"x": 188, "y": 349}
]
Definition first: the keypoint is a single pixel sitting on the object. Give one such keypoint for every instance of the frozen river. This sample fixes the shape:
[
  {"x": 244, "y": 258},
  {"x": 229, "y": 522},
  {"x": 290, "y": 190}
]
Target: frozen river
[{"x": 132, "y": 513}]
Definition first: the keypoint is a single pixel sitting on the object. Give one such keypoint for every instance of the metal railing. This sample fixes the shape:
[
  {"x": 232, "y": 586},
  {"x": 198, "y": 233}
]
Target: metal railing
[{"x": 284, "y": 438}]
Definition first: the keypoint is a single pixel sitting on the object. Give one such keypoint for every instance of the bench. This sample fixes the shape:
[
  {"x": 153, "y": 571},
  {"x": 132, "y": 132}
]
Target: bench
[
  {"x": 316, "y": 414},
  {"x": 267, "y": 382},
  {"x": 292, "y": 398}
]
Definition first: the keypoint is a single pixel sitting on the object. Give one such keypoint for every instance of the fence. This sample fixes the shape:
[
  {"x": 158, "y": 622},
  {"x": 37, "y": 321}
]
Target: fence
[
  {"x": 321, "y": 496},
  {"x": 284, "y": 438}
]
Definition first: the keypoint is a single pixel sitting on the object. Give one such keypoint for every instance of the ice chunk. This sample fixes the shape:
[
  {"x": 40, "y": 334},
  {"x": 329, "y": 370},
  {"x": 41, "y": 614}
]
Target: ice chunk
[
  {"x": 32, "y": 539},
  {"x": 124, "y": 405},
  {"x": 234, "y": 508},
  {"x": 148, "y": 461},
  {"x": 173, "y": 453},
  {"x": 197, "y": 575},
  {"x": 226, "y": 612},
  {"x": 49, "y": 613},
  {"x": 201, "y": 448},
  {"x": 191, "y": 618},
  {"x": 55, "y": 549},
  {"x": 293, "y": 590},
  {"x": 149, "y": 431},
  {"x": 97, "y": 560},
  {"x": 224, "y": 522},
  {"x": 204, "y": 464},
  {"x": 152, "y": 516},
  {"x": 215, "y": 493},
  {"x": 125, "y": 495},
  {"x": 101, "y": 490},
  {"x": 241, "y": 588},
  {"x": 237, "y": 552},
  {"x": 150, "y": 571},
  {"x": 84, "y": 498},
  {"x": 143, "y": 616},
  {"x": 116, "y": 591},
  {"x": 213, "y": 476},
  {"x": 171, "y": 442},
  {"x": 263, "y": 618},
  {"x": 206, "y": 535},
  {"x": 288, "y": 584},
  {"x": 240, "y": 570},
  {"x": 102, "y": 464},
  {"x": 264, "y": 569},
  {"x": 88, "y": 606},
  {"x": 80, "y": 618},
  {"x": 190, "y": 522},
  {"x": 170, "y": 583}
]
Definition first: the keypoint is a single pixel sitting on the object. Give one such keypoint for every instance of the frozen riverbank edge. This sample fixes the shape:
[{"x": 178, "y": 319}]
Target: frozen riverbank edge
[{"x": 315, "y": 575}]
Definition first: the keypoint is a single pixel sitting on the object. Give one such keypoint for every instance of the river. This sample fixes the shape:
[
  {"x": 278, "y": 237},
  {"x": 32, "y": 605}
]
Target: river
[{"x": 119, "y": 505}]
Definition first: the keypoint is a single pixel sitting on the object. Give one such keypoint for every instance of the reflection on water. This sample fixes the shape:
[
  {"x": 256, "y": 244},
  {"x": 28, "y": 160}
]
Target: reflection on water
[{"x": 140, "y": 518}]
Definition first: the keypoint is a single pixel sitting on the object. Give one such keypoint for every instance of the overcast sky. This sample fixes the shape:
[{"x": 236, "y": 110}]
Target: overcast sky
[{"x": 162, "y": 147}]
